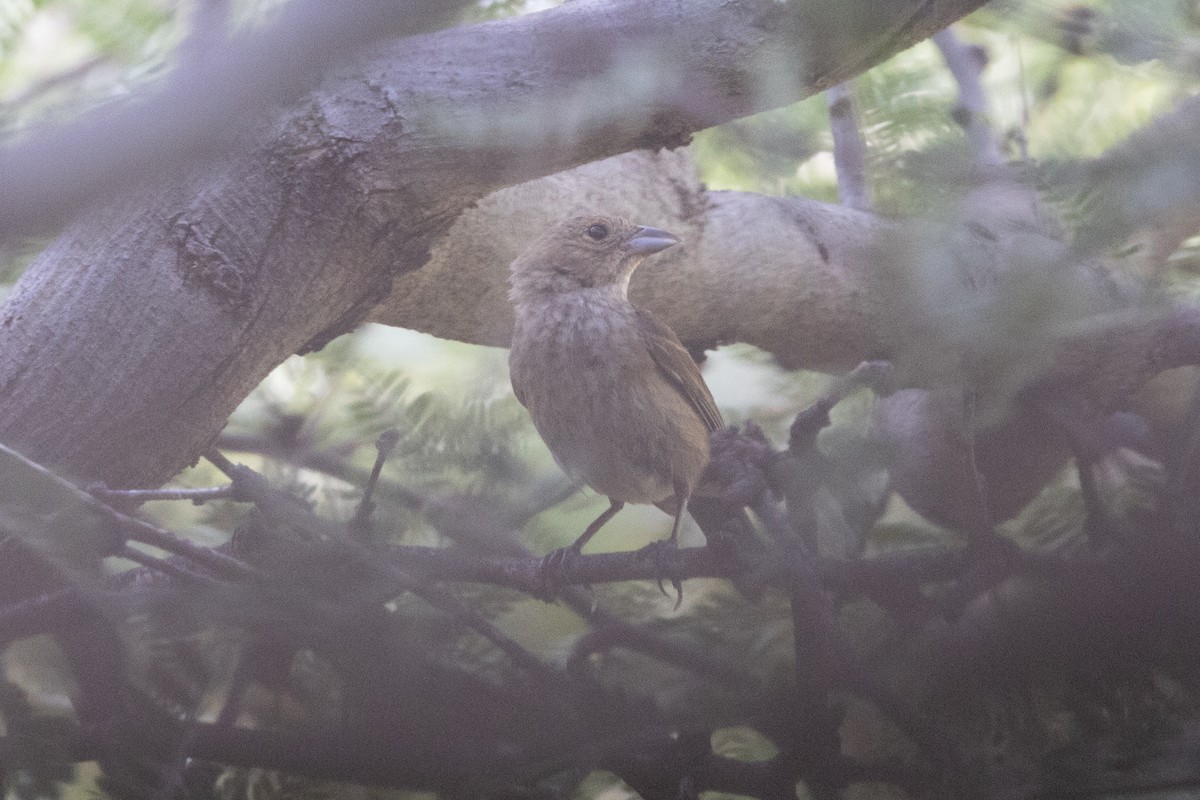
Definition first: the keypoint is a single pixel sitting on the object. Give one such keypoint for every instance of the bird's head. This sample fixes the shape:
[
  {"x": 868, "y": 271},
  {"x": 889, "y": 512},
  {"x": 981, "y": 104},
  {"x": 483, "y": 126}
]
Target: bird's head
[{"x": 584, "y": 253}]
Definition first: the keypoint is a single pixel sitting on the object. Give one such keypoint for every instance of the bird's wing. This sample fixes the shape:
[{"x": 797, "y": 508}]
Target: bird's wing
[
  {"x": 677, "y": 366},
  {"x": 516, "y": 385}
]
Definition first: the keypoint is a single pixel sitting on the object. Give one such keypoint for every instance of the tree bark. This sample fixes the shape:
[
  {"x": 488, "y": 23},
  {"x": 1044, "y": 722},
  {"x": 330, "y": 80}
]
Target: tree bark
[
  {"x": 787, "y": 274},
  {"x": 130, "y": 340},
  {"x": 825, "y": 287}
]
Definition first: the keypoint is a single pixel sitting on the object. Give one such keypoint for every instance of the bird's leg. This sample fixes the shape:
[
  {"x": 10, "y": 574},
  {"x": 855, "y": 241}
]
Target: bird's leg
[
  {"x": 553, "y": 567},
  {"x": 662, "y": 552},
  {"x": 599, "y": 522},
  {"x": 683, "y": 504}
]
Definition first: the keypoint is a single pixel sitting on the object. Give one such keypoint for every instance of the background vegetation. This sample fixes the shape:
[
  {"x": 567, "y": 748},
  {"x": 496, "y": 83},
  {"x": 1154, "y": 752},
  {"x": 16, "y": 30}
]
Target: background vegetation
[{"x": 1064, "y": 83}]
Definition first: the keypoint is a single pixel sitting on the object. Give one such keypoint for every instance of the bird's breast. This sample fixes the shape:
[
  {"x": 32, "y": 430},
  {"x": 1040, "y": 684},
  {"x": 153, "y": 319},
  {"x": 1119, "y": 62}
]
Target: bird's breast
[{"x": 600, "y": 403}]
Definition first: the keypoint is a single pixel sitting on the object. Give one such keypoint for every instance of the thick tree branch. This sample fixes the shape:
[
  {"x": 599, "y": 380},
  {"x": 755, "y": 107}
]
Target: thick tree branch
[
  {"x": 845, "y": 577},
  {"x": 791, "y": 275},
  {"x": 200, "y": 111},
  {"x": 147, "y": 323}
]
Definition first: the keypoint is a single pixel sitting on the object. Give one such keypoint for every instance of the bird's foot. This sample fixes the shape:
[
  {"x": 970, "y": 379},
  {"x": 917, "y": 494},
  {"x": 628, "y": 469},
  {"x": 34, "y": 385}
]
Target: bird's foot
[
  {"x": 665, "y": 555},
  {"x": 555, "y": 571}
]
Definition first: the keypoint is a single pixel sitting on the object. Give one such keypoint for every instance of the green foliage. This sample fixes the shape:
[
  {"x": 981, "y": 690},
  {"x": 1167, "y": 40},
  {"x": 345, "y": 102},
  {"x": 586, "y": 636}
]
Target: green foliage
[
  {"x": 742, "y": 743},
  {"x": 129, "y": 30},
  {"x": 483, "y": 10},
  {"x": 1044, "y": 102},
  {"x": 58, "y": 57},
  {"x": 471, "y": 438},
  {"x": 762, "y": 153},
  {"x": 262, "y": 784},
  {"x": 462, "y": 440},
  {"x": 14, "y": 16}
]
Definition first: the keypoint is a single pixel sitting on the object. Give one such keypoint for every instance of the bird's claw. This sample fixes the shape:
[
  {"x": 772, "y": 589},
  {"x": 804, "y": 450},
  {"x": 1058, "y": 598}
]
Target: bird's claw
[
  {"x": 554, "y": 572},
  {"x": 665, "y": 555}
]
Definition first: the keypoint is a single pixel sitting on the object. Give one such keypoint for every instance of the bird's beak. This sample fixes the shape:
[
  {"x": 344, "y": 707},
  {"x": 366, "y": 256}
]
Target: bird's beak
[{"x": 651, "y": 240}]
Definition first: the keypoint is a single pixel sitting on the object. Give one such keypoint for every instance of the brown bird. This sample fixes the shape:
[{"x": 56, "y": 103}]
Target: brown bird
[{"x": 616, "y": 397}]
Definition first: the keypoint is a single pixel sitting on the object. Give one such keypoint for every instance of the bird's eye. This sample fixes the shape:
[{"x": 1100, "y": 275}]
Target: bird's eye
[{"x": 597, "y": 232}]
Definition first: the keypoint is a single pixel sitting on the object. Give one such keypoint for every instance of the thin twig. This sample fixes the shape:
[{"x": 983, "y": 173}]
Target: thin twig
[
  {"x": 145, "y": 532},
  {"x": 879, "y": 376},
  {"x": 504, "y": 561},
  {"x": 849, "y": 149},
  {"x": 320, "y": 462},
  {"x": 402, "y": 580},
  {"x": 138, "y": 496},
  {"x": 218, "y": 460},
  {"x": 400, "y": 577},
  {"x": 163, "y": 565},
  {"x": 383, "y": 447},
  {"x": 142, "y": 531},
  {"x": 609, "y": 632},
  {"x": 966, "y": 63},
  {"x": 445, "y": 601}
]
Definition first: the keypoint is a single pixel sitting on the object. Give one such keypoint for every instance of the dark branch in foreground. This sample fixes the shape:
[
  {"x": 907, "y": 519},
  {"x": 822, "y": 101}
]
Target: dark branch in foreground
[
  {"x": 843, "y": 576},
  {"x": 394, "y": 699}
]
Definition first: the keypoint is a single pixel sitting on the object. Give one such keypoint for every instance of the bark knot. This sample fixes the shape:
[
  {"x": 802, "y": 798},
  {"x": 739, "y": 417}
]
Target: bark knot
[{"x": 203, "y": 262}]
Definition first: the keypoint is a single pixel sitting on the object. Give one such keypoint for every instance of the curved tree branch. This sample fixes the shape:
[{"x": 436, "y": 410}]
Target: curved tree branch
[
  {"x": 133, "y": 336},
  {"x": 203, "y": 107},
  {"x": 790, "y": 275}
]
